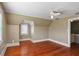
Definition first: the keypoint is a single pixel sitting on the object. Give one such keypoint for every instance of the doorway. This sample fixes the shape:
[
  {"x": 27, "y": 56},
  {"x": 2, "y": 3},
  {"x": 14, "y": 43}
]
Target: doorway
[
  {"x": 25, "y": 31},
  {"x": 73, "y": 31}
]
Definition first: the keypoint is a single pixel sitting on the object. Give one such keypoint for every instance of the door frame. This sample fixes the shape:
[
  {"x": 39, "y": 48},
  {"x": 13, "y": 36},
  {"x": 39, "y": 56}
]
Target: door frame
[
  {"x": 31, "y": 23},
  {"x": 69, "y": 29}
]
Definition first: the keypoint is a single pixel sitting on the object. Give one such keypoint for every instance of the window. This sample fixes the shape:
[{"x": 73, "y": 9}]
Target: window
[{"x": 24, "y": 29}]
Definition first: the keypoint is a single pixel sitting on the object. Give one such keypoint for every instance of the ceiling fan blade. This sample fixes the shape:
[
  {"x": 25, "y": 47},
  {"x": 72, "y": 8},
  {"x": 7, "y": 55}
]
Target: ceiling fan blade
[{"x": 57, "y": 14}]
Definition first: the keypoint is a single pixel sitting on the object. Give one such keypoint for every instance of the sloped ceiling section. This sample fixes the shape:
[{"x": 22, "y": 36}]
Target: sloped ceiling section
[
  {"x": 41, "y": 9},
  {"x": 16, "y": 19}
]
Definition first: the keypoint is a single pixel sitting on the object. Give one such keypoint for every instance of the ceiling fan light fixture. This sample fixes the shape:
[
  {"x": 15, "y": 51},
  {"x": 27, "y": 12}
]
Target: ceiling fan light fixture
[
  {"x": 52, "y": 17},
  {"x": 54, "y": 14}
]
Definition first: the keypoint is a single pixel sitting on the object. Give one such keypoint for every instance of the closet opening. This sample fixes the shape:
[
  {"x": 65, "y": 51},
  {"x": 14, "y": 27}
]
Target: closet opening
[{"x": 74, "y": 32}]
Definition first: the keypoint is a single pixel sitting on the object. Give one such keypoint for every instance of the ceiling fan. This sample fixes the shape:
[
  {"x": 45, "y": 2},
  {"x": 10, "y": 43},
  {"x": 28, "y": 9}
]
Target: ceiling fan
[{"x": 54, "y": 13}]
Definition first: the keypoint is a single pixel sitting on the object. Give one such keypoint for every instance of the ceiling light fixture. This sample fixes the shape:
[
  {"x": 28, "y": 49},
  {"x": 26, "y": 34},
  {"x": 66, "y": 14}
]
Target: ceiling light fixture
[
  {"x": 54, "y": 13},
  {"x": 52, "y": 17}
]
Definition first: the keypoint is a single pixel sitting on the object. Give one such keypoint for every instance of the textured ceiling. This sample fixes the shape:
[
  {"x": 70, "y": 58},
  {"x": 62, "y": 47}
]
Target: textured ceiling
[{"x": 41, "y": 9}]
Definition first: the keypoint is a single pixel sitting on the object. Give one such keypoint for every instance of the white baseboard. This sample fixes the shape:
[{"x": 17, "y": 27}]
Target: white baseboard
[
  {"x": 4, "y": 50},
  {"x": 12, "y": 44},
  {"x": 34, "y": 41},
  {"x": 64, "y": 44},
  {"x": 24, "y": 39},
  {"x": 59, "y": 42}
]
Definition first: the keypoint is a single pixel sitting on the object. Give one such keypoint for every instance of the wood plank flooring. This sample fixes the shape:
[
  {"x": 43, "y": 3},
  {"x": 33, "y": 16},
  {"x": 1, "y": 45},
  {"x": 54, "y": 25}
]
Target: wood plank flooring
[{"x": 45, "y": 48}]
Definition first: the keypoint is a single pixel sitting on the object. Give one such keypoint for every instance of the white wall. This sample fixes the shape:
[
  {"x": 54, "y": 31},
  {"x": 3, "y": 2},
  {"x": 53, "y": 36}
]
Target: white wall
[
  {"x": 40, "y": 32},
  {"x": 13, "y": 33},
  {"x": 58, "y": 30},
  {"x": 4, "y": 32}
]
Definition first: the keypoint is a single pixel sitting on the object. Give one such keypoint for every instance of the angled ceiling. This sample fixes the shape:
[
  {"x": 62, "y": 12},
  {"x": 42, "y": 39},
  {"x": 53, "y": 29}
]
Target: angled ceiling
[{"x": 41, "y": 9}]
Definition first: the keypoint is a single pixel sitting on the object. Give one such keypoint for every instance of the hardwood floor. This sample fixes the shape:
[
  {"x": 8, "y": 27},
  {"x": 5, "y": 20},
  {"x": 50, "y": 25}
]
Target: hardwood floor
[{"x": 45, "y": 48}]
